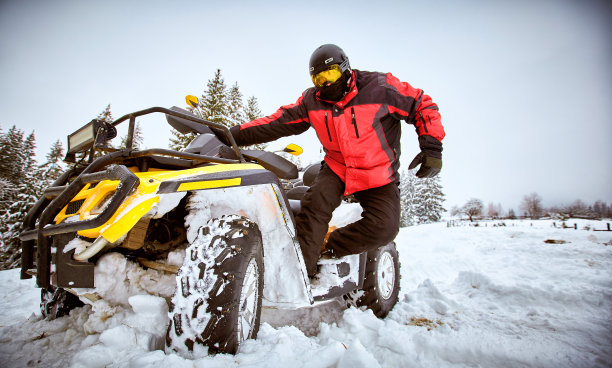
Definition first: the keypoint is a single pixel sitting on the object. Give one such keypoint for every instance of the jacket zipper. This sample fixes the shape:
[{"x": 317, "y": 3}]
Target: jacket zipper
[
  {"x": 355, "y": 123},
  {"x": 327, "y": 126}
]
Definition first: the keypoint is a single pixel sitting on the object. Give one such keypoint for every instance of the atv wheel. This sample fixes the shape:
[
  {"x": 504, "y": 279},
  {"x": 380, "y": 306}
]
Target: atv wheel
[
  {"x": 57, "y": 302},
  {"x": 381, "y": 285},
  {"x": 219, "y": 289}
]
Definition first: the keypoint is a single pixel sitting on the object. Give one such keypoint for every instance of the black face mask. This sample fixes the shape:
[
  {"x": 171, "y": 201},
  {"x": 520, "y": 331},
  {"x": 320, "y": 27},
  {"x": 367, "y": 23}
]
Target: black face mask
[{"x": 334, "y": 92}]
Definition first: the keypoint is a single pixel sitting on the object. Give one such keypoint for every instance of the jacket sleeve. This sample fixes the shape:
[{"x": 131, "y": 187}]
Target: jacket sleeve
[
  {"x": 288, "y": 120},
  {"x": 415, "y": 107}
]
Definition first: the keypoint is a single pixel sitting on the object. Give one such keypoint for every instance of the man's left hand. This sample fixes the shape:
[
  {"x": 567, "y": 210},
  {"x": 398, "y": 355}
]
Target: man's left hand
[{"x": 430, "y": 157}]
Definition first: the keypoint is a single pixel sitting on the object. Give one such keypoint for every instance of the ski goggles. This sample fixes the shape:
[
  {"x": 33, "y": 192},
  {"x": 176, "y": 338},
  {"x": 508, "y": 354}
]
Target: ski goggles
[{"x": 329, "y": 75}]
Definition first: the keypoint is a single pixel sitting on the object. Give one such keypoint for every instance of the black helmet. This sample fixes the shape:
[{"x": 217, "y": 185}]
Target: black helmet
[{"x": 325, "y": 56}]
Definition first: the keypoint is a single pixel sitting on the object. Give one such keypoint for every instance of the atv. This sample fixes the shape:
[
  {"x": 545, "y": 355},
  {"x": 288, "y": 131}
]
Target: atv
[{"x": 225, "y": 213}]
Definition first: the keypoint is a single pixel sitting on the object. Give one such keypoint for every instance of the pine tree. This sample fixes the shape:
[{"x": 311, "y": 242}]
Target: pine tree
[
  {"x": 7, "y": 193},
  {"x": 11, "y": 172},
  {"x": 212, "y": 106},
  {"x": 214, "y": 102},
  {"x": 29, "y": 154},
  {"x": 235, "y": 106},
  {"x": 407, "y": 198},
  {"x": 251, "y": 111},
  {"x": 53, "y": 167},
  {"x": 429, "y": 199},
  {"x": 21, "y": 186},
  {"x": 12, "y": 226},
  {"x": 220, "y": 105},
  {"x": 5, "y": 185},
  {"x": 106, "y": 115},
  {"x": 11, "y": 148},
  {"x": 421, "y": 199}
]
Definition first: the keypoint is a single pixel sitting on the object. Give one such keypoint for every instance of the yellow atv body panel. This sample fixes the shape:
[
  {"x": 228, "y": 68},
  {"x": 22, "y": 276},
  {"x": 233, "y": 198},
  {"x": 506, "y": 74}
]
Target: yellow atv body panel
[{"x": 143, "y": 199}]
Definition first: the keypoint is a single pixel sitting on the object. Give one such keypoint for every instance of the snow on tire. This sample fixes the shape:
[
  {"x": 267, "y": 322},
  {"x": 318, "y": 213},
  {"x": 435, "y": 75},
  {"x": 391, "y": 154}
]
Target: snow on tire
[
  {"x": 217, "y": 303},
  {"x": 381, "y": 284}
]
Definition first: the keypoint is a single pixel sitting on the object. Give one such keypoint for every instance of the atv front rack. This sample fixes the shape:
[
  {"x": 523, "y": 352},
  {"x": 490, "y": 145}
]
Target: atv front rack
[
  {"x": 186, "y": 122},
  {"x": 37, "y": 236}
]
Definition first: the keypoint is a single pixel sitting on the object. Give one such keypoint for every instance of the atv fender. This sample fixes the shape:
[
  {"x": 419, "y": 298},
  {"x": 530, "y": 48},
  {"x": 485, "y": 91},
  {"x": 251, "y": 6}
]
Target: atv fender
[{"x": 286, "y": 282}]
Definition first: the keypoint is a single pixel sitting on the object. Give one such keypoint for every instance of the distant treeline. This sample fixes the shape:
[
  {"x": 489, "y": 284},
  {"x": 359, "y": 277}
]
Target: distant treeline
[{"x": 531, "y": 207}]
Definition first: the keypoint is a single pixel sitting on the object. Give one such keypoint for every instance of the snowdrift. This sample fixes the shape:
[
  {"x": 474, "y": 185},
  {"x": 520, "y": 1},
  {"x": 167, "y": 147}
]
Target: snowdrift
[{"x": 494, "y": 296}]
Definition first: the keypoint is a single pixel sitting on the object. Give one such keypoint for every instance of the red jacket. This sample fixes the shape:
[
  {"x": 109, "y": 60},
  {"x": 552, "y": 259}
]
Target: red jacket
[{"x": 360, "y": 133}]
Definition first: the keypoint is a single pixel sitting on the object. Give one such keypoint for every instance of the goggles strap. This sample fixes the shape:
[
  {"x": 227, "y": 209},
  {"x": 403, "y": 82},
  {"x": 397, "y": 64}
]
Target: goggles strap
[{"x": 344, "y": 66}]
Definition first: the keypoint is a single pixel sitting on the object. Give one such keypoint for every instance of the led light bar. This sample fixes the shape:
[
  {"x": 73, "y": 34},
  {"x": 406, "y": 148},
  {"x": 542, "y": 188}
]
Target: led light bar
[{"x": 83, "y": 139}]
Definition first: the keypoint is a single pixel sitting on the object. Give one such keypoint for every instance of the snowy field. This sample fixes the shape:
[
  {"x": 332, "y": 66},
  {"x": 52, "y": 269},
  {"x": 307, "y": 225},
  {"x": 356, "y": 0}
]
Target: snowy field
[{"x": 470, "y": 297}]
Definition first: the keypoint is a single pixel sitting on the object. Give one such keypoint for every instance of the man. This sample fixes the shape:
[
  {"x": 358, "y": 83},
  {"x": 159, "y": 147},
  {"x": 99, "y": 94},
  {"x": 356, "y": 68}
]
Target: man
[{"x": 356, "y": 115}]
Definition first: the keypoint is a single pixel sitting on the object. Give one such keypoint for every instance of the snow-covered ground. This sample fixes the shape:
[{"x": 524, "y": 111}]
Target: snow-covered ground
[{"x": 471, "y": 297}]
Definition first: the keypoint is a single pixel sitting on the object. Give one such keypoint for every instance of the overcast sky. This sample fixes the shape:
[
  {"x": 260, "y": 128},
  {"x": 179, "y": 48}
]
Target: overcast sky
[{"x": 524, "y": 87}]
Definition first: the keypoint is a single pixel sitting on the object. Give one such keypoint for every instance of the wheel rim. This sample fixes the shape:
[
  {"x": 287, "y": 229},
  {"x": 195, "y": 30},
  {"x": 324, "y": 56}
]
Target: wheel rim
[
  {"x": 386, "y": 275},
  {"x": 248, "y": 301}
]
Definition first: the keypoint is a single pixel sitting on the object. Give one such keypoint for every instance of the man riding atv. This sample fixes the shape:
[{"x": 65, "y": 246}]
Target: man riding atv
[
  {"x": 356, "y": 115},
  {"x": 221, "y": 222}
]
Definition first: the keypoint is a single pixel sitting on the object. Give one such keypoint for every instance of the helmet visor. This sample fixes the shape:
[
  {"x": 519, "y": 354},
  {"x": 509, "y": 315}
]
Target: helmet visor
[{"x": 329, "y": 75}]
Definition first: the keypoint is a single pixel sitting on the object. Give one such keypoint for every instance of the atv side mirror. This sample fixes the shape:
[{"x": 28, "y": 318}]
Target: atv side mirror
[
  {"x": 192, "y": 101},
  {"x": 293, "y": 149}
]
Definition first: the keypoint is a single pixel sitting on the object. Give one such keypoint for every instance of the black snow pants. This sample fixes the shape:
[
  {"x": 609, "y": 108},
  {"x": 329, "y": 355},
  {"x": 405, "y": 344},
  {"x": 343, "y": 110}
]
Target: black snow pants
[{"x": 379, "y": 224}]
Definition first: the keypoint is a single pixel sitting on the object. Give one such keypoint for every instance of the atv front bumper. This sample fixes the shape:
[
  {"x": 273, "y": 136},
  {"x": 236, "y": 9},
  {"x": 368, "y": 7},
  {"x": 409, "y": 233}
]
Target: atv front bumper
[{"x": 40, "y": 237}]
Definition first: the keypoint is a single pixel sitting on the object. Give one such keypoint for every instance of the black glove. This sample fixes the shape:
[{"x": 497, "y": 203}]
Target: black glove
[{"x": 430, "y": 157}]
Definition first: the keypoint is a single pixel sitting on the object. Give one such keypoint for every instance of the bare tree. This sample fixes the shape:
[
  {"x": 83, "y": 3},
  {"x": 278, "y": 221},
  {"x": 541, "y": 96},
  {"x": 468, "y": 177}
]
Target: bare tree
[
  {"x": 532, "y": 205},
  {"x": 578, "y": 208},
  {"x": 473, "y": 208},
  {"x": 455, "y": 211},
  {"x": 601, "y": 209},
  {"x": 494, "y": 210},
  {"x": 511, "y": 214}
]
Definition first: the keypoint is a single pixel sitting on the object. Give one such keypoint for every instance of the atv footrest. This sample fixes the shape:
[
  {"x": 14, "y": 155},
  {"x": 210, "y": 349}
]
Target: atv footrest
[
  {"x": 336, "y": 277},
  {"x": 334, "y": 291}
]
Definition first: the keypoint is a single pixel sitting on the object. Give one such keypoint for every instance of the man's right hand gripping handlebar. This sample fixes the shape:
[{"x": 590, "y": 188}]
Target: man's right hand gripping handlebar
[{"x": 430, "y": 157}]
